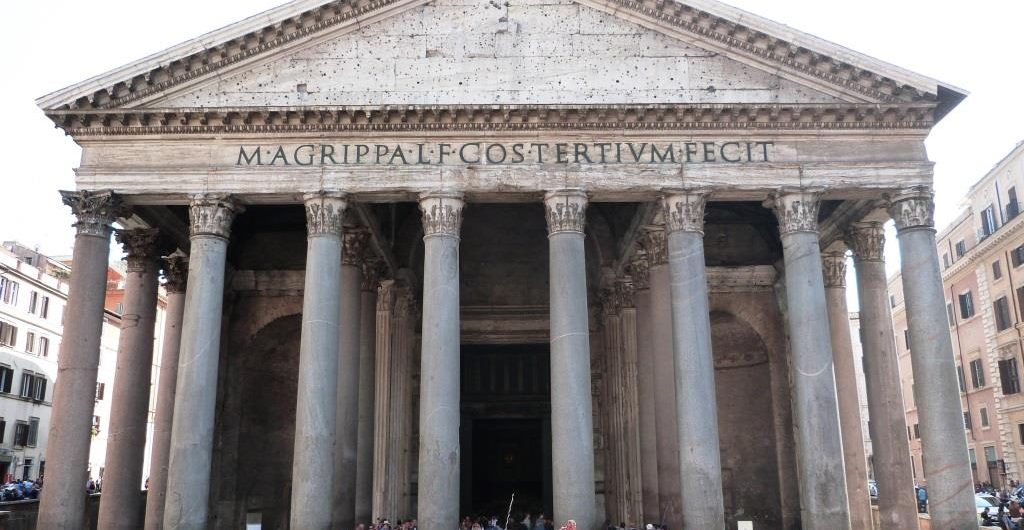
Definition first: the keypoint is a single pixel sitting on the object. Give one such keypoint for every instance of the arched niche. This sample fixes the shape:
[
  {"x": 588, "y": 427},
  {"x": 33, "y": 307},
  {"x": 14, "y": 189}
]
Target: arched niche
[{"x": 746, "y": 425}]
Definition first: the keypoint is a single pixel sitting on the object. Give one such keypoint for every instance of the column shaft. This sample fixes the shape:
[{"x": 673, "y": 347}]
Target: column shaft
[
  {"x": 647, "y": 425},
  {"x": 439, "y": 454},
  {"x": 367, "y": 372},
  {"x": 889, "y": 441},
  {"x": 121, "y": 505},
  {"x": 823, "y": 497},
  {"x": 634, "y": 508},
  {"x": 572, "y": 427},
  {"x": 696, "y": 405},
  {"x": 854, "y": 456},
  {"x": 176, "y": 272},
  {"x": 63, "y": 501},
  {"x": 188, "y": 475},
  {"x": 946, "y": 464},
  {"x": 347, "y": 427},
  {"x": 667, "y": 442},
  {"x": 382, "y": 400}
]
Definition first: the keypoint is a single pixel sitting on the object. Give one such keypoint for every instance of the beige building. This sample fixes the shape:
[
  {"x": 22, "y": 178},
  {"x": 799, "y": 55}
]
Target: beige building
[
  {"x": 981, "y": 253},
  {"x": 442, "y": 252}
]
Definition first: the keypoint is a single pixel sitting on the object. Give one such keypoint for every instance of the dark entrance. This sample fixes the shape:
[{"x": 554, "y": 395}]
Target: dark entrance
[{"x": 506, "y": 430}]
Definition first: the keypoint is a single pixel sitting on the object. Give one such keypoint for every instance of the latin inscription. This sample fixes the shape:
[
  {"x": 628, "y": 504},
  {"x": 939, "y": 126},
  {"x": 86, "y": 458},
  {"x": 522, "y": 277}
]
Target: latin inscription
[{"x": 501, "y": 153}]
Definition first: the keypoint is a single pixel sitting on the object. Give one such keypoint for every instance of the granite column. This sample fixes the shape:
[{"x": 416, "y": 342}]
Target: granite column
[
  {"x": 854, "y": 455},
  {"x": 889, "y": 443},
  {"x": 176, "y": 275},
  {"x": 648, "y": 428},
  {"x": 63, "y": 499},
  {"x": 946, "y": 464},
  {"x": 439, "y": 454},
  {"x": 696, "y": 406},
  {"x": 382, "y": 420},
  {"x": 572, "y": 423},
  {"x": 347, "y": 425},
  {"x": 121, "y": 504},
  {"x": 823, "y": 497},
  {"x": 188, "y": 475},
  {"x": 367, "y": 371}
]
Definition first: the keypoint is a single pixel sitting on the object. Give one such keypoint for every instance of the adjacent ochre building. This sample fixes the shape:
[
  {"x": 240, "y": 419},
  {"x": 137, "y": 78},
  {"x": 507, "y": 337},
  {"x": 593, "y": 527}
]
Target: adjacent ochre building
[
  {"x": 981, "y": 253},
  {"x": 431, "y": 254}
]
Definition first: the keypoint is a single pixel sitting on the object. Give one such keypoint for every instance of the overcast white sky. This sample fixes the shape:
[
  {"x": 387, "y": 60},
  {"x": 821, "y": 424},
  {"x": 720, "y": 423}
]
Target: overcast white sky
[{"x": 54, "y": 43}]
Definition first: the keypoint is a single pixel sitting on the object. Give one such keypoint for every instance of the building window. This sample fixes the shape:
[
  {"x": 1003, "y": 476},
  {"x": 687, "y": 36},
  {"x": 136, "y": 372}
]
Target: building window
[
  {"x": 33, "y": 301},
  {"x": 974, "y": 458},
  {"x": 917, "y": 430},
  {"x": 892, "y": 300},
  {"x": 1001, "y": 308},
  {"x": 961, "y": 248},
  {"x": 30, "y": 342},
  {"x": 1017, "y": 256},
  {"x": 6, "y": 378},
  {"x": 1012, "y": 206},
  {"x": 33, "y": 431},
  {"x": 20, "y": 434},
  {"x": 27, "y": 469},
  {"x": 945, "y": 261},
  {"x": 966, "y": 305},
  {"x": 100, "y": 390},
  {"x": 950, "y": 315},
  {"x": 967, "y": 420},
  {"x": 95, "y": 425},
  {"x": 44, "y": 307},
  {"x": 1009, "y": 376},
  {"x": 3, "y": 428},
  {"x": 997, "y": 270},
  {"x": 977, "y": 374},
  {"x": 983, "y": 413},
  {"x": 906, "y": 338},
  {"x": 44, "y": 346},
  {"x": 33, "y": 386},
  {"x": 988, "y": 221},
  {"x": 1020, "y": 432},
  {"x": 990, "y": 456},
  {"x": 8, "y": 291},
  {"x": 961, "y": 379},
  {"x": 8, "y": 334}
]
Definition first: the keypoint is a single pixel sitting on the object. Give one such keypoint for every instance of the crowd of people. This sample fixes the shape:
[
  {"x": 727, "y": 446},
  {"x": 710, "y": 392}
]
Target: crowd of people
[{"x": 20, "y": 490}]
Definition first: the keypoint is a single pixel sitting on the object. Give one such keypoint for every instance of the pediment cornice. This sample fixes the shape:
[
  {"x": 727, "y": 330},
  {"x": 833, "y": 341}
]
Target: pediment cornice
[
  {"x": 807, "y": 59},
  {"x": 263, "y": 120}
]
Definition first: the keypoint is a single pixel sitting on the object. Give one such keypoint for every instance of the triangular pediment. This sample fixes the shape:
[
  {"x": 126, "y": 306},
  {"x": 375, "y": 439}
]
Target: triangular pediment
[
  {"x": 520, "y": 53},
  {"x": 349, "y": 53}
]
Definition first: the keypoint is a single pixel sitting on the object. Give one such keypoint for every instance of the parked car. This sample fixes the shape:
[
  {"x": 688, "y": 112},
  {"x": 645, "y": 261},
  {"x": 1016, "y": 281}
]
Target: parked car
[{"x": 982, "y": 501}]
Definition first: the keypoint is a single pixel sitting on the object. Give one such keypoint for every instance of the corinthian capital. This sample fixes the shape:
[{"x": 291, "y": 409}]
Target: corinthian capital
[
  {"x": 324, "y": 212},
  {"x": 867, "y": 241},
  {"x": 833, "y": 265},
  {"x": 797, "y": 210},
  {"x": 640, "y": 269},
  {"x": 684, "y": 210},
  {"x": 141, "y": 247},
  {"x": 96, "y": 211},
  {"x": 442, "y": 213},
  {"x": 913, "y": 208},
  {"x": 655, "y": 245},
  {"x": 566, "y": 211},
  {"x": 373, "y": 268},
  {"x": 212, "y": 215},
  {"x": 176, "y": 272},
  {"x": 354, "y": 246}
]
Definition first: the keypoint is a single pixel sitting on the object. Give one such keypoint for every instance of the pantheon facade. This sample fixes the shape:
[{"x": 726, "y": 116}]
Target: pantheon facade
[{"x": 424, "y": 255}]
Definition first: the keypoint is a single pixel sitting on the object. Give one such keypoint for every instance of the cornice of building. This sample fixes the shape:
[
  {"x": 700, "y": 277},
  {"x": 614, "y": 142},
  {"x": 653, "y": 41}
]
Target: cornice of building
[{"x": 996, "y": 240}]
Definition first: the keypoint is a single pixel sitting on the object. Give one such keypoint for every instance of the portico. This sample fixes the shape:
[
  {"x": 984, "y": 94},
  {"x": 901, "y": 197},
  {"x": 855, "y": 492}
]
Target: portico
[{"x": 371, "y": 194}]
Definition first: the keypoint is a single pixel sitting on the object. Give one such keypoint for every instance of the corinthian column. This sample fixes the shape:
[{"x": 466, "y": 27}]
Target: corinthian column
[
  {"x": 696, "y": 407},
  {"x": 348, "y": 381},
  {"x": 888, "y": 425},
  {"x": 382, "y": 418},
  {"x": 572, "y": 423},
  {"x": 313, "y": 466},
  {"x": 946, "y": 465},
  {"x": 176, "y": 274},
  {"x": 819, "y": 444},
  {"x": 367, "y": 373},
  {"x": 63, "y": 503},
  {"x": 188, "y": 476},
  {"x": 664, "y": 365},
  {"x": 439, "y": 370},
  {"x": 646, "y": 391},
  {"x": 121, "y": 505},
  {"x": 834, "y": 269}
]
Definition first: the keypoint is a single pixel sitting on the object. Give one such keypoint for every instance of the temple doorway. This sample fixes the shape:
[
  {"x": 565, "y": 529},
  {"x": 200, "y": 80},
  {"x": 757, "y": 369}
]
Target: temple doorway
[{"x": 506, "y": 430}]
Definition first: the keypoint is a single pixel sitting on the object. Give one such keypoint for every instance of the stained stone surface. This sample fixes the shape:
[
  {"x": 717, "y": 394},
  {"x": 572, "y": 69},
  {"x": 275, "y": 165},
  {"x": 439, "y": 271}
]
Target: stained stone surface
[{"x": 482, "y": 52}]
